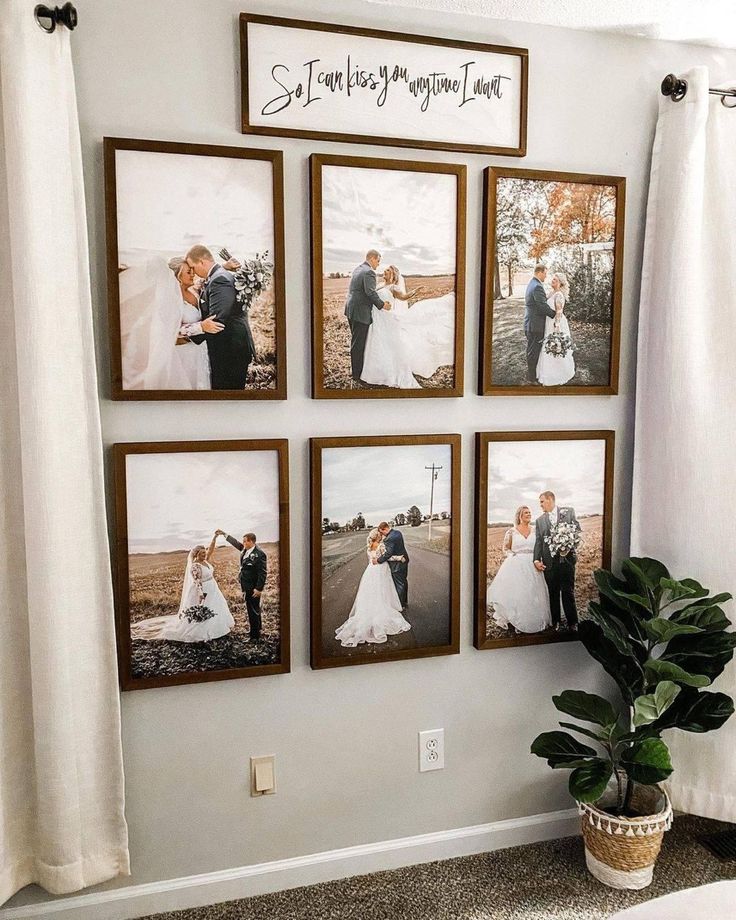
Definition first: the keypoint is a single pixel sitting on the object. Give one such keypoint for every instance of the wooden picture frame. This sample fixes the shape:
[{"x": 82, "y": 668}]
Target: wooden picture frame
[
  {"x": 367, "y": 653},
  {"x": 435, "y": 386},
  {"x": 496, "y": 377},
  {"x": 483, "y": 443},
  {"x": 275, "y": 376},
  {"x": 372, "y": 62},
  {"x": 121, "y": 453}
]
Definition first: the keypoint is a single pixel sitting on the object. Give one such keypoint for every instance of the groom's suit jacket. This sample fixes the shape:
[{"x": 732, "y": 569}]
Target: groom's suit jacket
[
  {"x": 253, "y": 567},
  {"x": 536, "y": 309},
  {"x": 362, "y": 295},
  {"x": 219, "y": 300},
  {"x": 395, "y": 546},
  {"x": 566, "y": 515}
]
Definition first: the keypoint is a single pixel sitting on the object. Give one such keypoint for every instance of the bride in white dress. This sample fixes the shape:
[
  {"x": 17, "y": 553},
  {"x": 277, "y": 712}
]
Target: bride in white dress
[
  {"x": 552, "y": 370},
  {"x": 376, "y": 611},
  {"x": 154, "y": 315},
  {"x": 203, "y": 611},
  {"x": 408, "y": 340},
  {"x": 518, "y": 593}
]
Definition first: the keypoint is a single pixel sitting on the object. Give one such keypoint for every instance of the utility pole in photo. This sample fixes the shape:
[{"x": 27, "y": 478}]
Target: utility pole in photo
[{"x": 435, "y": 470}]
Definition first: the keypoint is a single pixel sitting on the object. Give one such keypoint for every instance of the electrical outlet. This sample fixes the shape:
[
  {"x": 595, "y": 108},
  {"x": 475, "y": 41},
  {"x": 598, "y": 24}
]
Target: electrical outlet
[{"x": 432, "y": 750}]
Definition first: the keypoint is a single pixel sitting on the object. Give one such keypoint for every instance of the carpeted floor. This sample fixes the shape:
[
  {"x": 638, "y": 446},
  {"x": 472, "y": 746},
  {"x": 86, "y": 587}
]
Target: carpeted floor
[{"x": 541, "y": 881}]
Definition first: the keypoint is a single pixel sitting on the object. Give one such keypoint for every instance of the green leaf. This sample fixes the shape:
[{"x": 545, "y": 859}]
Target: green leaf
[
  {"x": 613, "y": 628},
  {"x": 596, "y": 736},
  {"x": 647, "y": 761},
  {"x": 660, "y": 630},
  {"x": 588, "y": 783},
  {"x": 649, "y": 708},
  {"x": 707, "y": 619},
  {"x": 617, "y": 591},
  {"x": 696, "y": 711},
  {"x": 705, "y": 602},
  {"x": 646, "y": 572},
  {"x": 588, "y": 707},
  {"x": 624, "y": 669},
  {"x": 708, "y": 653},
  {"x": 561, "y": 750},
  {"x": 657, "y": 669},
  {"x": 687, "y": 587}
]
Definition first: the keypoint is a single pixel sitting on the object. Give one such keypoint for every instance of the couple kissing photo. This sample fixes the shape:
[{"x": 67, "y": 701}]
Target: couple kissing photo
[
  {"x": 195, "y": 271},
  {"x": 197, "y": 600},
  {"x": 544, "y": 528},
  {"x": 388, "y": 250},
  {"x": 384, "y": 572}
]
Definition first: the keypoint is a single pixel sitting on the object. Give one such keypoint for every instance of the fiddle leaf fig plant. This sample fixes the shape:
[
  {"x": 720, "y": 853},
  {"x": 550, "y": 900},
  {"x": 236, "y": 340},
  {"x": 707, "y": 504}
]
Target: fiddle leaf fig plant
[{"x": 662, "y": 640}]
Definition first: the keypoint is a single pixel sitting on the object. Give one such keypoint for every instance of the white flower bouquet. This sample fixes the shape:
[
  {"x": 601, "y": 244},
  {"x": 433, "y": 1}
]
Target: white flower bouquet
[
  {"x": 557, "y": 344},
  {"x": 563, "y": 538},
  {"x": 252, "y": 278}
]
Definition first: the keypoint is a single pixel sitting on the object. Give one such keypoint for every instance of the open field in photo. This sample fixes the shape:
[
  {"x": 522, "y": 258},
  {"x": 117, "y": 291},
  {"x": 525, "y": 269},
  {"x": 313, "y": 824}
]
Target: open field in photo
[{"x": 155, "y": 590}]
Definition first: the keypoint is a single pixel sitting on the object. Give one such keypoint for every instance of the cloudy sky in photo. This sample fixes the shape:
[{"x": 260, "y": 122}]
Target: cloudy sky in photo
[
  {"x": 178, "y": 500},
  {"x": 410, "y": 217},
  {"x": 167, "y": 202},
  {"x": 383, "y": 481},
  {"x": 519, "y": 470}
]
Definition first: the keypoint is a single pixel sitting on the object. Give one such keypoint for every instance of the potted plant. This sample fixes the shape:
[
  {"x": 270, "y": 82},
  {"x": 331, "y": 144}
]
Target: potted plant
[{"x": 663, "y": 641}]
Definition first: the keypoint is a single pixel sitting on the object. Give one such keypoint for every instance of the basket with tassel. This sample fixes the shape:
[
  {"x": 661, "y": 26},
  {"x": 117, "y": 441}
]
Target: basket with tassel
[{"x": 621, "y": 851}]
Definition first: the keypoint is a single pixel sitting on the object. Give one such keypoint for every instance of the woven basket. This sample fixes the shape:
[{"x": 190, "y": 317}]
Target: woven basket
[{"x": 621, "y": 852}]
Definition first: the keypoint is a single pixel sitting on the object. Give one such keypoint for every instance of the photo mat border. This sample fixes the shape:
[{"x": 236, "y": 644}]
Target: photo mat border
[
  {"x": 276, "y": 157},
  {"x": 483, "y": 439},
  {"x": 316, "y": 162},
  {"x": 315, "y": 26},
  {"x": 121, "y": 575},
  {"x": 316, "y": 446},
  {"x": 486, "y": 387}
]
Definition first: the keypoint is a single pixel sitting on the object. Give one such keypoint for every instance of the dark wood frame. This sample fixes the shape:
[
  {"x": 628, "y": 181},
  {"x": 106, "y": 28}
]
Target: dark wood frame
[
  {"x": 482, "y": 441},
  {"x": 317, "y": 445},
  {"x": 316, "y": 162},
  {"x": 486, "y": 387},
  {"x": 247, "y": 128},
  {"x": 121, "y": 573},
  {"x": 110, "y": 146}
]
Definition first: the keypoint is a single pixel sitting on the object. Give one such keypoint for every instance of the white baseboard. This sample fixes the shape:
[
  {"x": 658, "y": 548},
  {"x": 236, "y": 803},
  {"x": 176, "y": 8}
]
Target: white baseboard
[{"x": 245, "y": 881}]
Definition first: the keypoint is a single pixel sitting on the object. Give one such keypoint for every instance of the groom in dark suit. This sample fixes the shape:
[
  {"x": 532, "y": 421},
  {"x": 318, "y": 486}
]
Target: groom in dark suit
[
  {"x": 232, "y": 349},
  {"x": 398, "y": 560},
  {"x": 361, "y": 299},
  {"x": 559, "y": 571},
  {"x": 253, "y": 571},
  {"x": 536, "y": 311}
]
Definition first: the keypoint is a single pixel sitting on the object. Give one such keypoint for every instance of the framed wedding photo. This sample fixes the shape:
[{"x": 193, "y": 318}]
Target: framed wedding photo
[
  {"x": 543, "y": 527},
  {"x": 553, "y": 247},
  {"x": 385, "y": 548},
  {"x": 388, "y": 277},
  {"x": 202, "y": 560},
  {"x": 370, "y": 86},
  {"x": 195, "y": 271}
]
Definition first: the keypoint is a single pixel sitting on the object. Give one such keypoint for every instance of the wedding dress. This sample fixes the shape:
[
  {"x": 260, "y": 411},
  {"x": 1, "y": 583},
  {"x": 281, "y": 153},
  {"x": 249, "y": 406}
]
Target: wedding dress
[
  {"x": 553, "y": 370},
  {"x": 376, "y": 612},
  {"x": 518, "y": 593},
  {"x": 152, "y": 312},
  {"x": 406, "y": 341},
  {"x": 203, "y": 611}
]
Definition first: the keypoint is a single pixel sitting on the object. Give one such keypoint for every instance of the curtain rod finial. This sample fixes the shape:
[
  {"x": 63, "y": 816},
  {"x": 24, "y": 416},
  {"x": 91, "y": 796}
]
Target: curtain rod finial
[
  {"x": 49, "y": 18},
  {"x": 673, "y": 87}
]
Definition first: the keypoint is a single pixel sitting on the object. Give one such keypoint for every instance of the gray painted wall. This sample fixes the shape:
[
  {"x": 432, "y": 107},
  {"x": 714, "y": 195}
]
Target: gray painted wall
[{"x": 345, "y": 740}]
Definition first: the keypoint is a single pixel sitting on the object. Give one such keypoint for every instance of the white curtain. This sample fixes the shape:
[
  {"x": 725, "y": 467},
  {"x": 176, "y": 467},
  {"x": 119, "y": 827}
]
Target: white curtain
[
  {"x": 62, "y": 823},
  {"x": 685, "y": 449}
]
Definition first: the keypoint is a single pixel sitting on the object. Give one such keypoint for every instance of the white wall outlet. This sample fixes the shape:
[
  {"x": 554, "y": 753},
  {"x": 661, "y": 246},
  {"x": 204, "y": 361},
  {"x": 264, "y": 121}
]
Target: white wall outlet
[{"x": 432, "y": 750}]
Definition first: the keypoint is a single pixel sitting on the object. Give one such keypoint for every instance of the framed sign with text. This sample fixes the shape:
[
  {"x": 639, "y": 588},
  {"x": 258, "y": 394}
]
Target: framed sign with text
[{"x": 335, "y": 82}]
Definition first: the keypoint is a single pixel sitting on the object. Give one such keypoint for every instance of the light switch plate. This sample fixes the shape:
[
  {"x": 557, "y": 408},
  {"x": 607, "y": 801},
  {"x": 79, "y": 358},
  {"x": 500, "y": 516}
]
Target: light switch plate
[{"x": 262, "y": 773}]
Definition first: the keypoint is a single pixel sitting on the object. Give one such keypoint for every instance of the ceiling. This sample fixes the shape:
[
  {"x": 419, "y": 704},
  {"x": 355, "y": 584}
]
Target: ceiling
[{"x": 701, "y": 22}]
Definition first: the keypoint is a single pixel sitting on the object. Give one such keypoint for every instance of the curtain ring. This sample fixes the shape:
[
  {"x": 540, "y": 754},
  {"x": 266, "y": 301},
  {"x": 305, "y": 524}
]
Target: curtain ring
[{"x": 728, "y": 105}]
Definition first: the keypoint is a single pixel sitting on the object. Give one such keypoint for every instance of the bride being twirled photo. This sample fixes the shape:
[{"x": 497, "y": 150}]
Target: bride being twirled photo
[{"x": 388, "y": 251}]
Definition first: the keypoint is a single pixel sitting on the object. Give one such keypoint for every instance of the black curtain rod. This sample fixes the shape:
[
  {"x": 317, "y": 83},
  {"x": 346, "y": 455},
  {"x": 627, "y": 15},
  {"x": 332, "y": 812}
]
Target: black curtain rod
[
  {"x": 676, "y": 89},
  {"x": 49, "y": 18}
]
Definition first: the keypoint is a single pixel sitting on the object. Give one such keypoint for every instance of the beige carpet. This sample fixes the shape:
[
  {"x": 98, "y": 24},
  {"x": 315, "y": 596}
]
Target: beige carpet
[{"x": 542, "y": 881}]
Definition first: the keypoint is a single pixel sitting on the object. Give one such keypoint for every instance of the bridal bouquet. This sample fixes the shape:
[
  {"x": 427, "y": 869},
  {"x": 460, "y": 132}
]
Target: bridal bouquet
[
  {"x": 197, "y": 613},
  {"x": 252, "y": 278},
  {"x": 557, "y": 344},
  {"x": 563, "y": 538}
]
